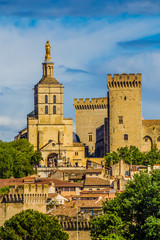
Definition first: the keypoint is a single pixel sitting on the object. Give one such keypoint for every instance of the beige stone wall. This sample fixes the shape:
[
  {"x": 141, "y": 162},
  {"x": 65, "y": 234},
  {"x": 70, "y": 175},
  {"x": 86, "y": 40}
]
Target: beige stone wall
[
  {"x": 22, "y": 198},
  {"x": 50, "y": 90},
  {"x": 125, "y": 101},
  {"x": 150, "y": 134},
  {"x": 120, "y": 168},
  {"x": 90, "y": 114},
  {"x": 46, "y": 130},
  {"x": 83, "y": 235}
]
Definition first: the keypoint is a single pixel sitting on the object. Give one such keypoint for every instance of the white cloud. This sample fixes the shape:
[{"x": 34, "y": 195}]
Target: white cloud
[
  {"x": 90, "y": 47},
  {"x": 11, "y": 123}
]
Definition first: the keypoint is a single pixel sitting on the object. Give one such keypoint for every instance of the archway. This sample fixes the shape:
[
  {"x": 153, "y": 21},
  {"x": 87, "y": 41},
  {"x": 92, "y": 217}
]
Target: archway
[
  {"x": 147, "y": 143},
  {"x": 52, "y": 160}
]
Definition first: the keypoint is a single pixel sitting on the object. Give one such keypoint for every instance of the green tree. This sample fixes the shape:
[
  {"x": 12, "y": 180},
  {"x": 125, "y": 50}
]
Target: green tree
[
  {"x": 111, "y": 158},
  {"x": 32, "y": 225},
  {"x": 153, "y": 157},
  {"x": 133, "y": 155},
  {"x": 135, "y": 206},
  {"x": 17, "y": 158},
  {"x": 114, "y": 226},
  {"x": 152, "y": 228}
]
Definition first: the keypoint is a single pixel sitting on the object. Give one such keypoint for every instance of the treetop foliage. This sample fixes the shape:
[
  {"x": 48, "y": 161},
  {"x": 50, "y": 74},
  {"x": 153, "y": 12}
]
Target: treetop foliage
[
  {"x": 135, "y": 213},
  {"x": 133, "y": 155},
  {"x": 17, "y": 158},
  {"x": 32, "y": 225}
]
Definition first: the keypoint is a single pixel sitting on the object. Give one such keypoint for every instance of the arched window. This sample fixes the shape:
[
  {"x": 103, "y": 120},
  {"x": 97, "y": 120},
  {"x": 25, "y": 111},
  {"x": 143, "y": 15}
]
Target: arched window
[
  {"x": 46, "y": 109},
  {"x": 46, "y": 99},
  {"x": 158, "y": 139},
  {"x": 126, "y": 137},
  {"x": 54, "y": 98},
  {"x": 54, "y": 109}
]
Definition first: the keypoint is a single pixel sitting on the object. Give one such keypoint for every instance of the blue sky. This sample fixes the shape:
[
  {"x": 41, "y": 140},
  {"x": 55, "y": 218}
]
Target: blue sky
[{"x": 89, "y": 39}]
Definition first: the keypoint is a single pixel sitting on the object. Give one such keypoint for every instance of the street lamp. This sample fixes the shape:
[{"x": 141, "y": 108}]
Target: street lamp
[{"x": 77, "y": 217}]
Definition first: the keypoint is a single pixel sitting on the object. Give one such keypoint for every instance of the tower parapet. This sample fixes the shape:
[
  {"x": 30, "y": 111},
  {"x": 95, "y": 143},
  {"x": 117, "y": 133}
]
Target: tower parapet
[
  {"x": 124, "y": 80},
  {"x": 93, "y": 103}
]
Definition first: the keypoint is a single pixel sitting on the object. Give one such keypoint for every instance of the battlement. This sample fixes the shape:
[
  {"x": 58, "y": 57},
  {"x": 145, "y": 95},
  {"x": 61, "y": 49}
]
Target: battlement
[
  {"x": 93, "y": 103},
  {"x": 124, "y": 80},
  {"x": 26, "y": 193}
]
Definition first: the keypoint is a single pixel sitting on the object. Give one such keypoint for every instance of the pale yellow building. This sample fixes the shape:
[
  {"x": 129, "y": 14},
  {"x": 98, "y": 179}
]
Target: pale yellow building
[
  {"x": 102, "y": 124},
  {"x": 116, "y": 120},
  {"x": 47, "y": 129},
  {"x": 90, "y": 114}
]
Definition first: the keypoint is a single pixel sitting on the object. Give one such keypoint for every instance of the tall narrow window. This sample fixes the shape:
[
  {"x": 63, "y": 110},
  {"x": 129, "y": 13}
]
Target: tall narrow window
[
  {"x": 120, "y": 119},
  {"x": 125, "y": 136},
  {"x": 54, "y": 98},
  {"x": 46, "y": 109},
  {"x": 54, "y": 109},
  {"x": 90, "y": 138},
  {"x": 46, "y": 99}
]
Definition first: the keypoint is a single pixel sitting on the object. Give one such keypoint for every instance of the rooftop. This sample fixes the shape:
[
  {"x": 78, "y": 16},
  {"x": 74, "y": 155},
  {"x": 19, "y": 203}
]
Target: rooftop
[
  {"x": 96, "y": 182},
  {"x": 33, "y": 180}
]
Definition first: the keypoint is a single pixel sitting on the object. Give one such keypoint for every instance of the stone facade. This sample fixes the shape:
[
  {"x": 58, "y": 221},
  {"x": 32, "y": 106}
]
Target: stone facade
[
  {"x": 81, "y": 235},
  {"x": 102, "y": 124},
  {"x": 23, "y": 197},
  {"x": 125, "y": 110},
  {"x": 122, "y": 125},
  {"x": 90, "y": 115},
  {"x": 120, "y": 169},
  {"x": 150, "y": 134},
  {"x": 47, "y": 130}
]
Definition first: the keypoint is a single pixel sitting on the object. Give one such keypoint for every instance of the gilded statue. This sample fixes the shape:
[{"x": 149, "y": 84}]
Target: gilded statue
[{"x": 48, "y": 52}]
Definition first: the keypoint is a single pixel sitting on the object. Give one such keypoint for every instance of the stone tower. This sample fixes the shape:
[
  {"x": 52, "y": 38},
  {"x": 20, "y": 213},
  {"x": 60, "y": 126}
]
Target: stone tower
[
  {"x": 124, "y": 110},
  {"x": 48, "y": 131},
  {"x": 48, "y": 94}
]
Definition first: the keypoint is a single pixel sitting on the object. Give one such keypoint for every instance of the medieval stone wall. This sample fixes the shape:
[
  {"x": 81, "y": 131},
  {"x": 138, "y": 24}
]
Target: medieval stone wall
[
  {"x": 22, "y": 198},
  {"x": 90, "y": 115},
  {"x": 82, "y": 235},
  {"x": 125, "y": 110}
]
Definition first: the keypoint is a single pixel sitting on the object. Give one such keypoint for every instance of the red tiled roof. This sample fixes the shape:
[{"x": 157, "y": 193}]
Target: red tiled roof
[
  {"x": 52, "y": 195},
  {"x": 64, "y": 211},
  {"x": 20, "y": 181},
  {"x": 96, "y": 182}
]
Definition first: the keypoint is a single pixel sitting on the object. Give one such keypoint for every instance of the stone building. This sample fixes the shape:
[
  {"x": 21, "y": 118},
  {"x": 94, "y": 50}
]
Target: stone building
[
  {"x": 102, "y": 124},
  {"x": 90, "y": 115},
  {"x": 47, "y": 129},
  {"x": 116, "y": 121},
  {"x": 22, "y": 196}
]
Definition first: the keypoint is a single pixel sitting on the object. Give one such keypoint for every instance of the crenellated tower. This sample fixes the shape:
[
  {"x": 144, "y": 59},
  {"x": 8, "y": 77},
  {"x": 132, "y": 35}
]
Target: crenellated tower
[
  {"x": 90, "y": 115},
  {"x": 124, "y": 110}
]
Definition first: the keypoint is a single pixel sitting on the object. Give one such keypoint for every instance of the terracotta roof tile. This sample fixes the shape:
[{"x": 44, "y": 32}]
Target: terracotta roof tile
[
  {"x": 96, "y": 182},
  {"x": 57, "y": 182},
  {"x": 64, "y": 211}
]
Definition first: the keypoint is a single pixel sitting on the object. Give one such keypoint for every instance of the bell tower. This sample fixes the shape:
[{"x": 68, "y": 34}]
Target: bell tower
[{"x": 48, "y": 94}]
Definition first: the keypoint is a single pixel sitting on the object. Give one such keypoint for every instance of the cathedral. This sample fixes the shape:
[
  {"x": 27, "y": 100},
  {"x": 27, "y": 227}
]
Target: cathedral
[
  {"x": 47, "y": 130},
  {"x": 102, "y": 124}
]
